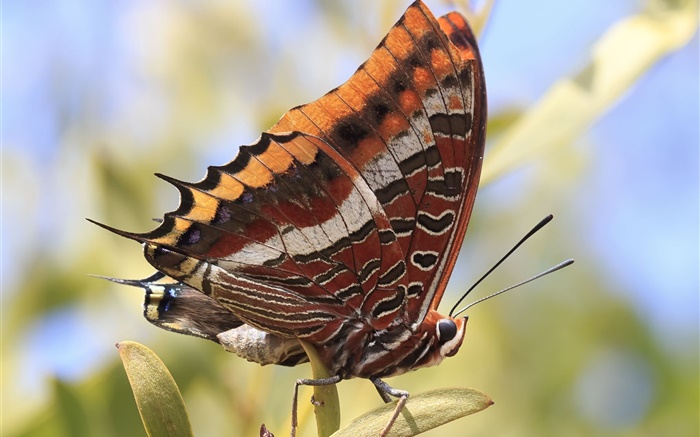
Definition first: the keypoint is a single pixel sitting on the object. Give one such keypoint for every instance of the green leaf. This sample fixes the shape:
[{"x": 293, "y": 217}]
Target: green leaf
[
  {"x": 618, "y": 59},
  {"x": 326, "y": 396},
  {"x": 422, "y": 412},
  {"x": 70, "y": 409},
  {"x": 157, "y": 397}
]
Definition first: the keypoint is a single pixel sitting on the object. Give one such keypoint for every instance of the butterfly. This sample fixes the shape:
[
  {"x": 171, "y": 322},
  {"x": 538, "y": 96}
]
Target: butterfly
[{"x": 340, "y": 226}]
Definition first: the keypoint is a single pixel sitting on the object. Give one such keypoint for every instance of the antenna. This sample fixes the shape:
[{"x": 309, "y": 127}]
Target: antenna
[
  {"x": 157, "y": 276},
  {"x": 532, "y": 232},
  {"x": 559, "y": 266}
]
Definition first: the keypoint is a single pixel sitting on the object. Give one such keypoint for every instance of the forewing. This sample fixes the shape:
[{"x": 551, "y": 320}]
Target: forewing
[{"x": 412, "y": 121}]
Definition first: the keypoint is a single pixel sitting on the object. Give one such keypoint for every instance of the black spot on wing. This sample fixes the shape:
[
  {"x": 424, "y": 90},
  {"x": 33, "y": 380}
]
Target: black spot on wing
[
  {"x": 350, "y": 132},
  {"x": 379, "y": 110},
  {"x": 449, "y": 81},
  {"x": 414, "y": 290},
  {"x": 431, "y": 42},
  {"x": 328, "y": 276},
  {"x": 428, "y": 157},
  {"x": 192, "y": 236},
  {"x": 387, "y": 236},
  {"x": 349, "y": 292},
  {"x": 416, "y": 61},
  {"x": 394, "y": 274},
  {"x": 403, "y": 225},
  {"x": 451, "y": 124},
  {"x": 424, "y": 260},
  {"x": 393, "y": 190},
  {"x": 389, "y": 306},
  {"x": 436, "y": 225},
  {"x": 449, "y": 187},
  {"x": 465, "y": 77},
  {"x": 368, "y": 269},
  {"x": 398, "y": 84}
]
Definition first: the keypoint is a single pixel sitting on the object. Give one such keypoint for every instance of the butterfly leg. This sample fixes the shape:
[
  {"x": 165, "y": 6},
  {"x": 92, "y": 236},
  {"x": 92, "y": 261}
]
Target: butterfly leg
[
  {"x": 385, "y": 390},
  {"x": 312, "y": 382}
]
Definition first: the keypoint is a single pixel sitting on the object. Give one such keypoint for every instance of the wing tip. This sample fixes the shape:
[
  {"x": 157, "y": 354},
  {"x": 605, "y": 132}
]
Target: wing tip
[{"x": 141, "y": 238}]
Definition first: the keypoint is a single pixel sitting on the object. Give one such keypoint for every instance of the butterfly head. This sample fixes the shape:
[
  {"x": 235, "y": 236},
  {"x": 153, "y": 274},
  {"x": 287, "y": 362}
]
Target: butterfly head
[
  {"x": 450, "y": 334},
  {"x": 445, "y": 334}
]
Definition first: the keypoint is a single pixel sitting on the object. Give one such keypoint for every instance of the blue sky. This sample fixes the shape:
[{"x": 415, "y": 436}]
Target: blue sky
[{"x": 642, "y": 206}]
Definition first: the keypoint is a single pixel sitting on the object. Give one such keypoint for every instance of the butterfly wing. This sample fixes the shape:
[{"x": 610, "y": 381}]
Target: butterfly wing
[
  {"x": 352, "y": 207},
  {"x": 412, "y": 121}
]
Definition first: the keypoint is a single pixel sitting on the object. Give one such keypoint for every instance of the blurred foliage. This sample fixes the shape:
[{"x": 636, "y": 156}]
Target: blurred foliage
[
  {"x": 572, "y": 358},
  {"x": 158, "y": 399}
]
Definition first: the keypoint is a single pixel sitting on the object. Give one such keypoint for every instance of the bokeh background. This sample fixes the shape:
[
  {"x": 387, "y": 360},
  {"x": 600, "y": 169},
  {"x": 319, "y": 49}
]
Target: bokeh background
[{"x": 98, "y": 95}]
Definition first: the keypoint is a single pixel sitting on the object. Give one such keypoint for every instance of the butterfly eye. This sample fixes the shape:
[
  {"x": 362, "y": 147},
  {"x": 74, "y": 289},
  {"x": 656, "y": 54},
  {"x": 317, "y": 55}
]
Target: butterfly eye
[{"x": 446, "y": 330}]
